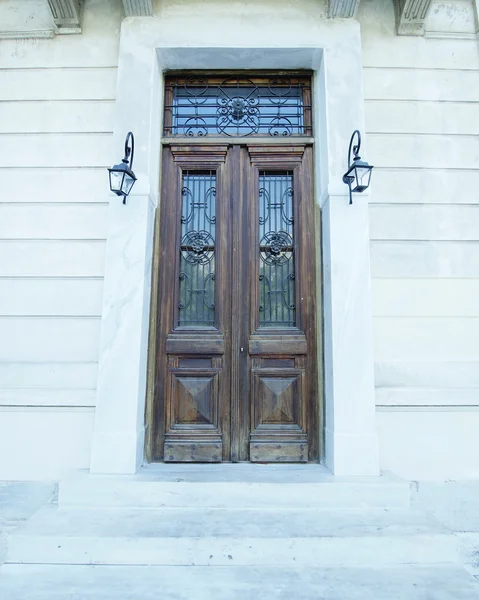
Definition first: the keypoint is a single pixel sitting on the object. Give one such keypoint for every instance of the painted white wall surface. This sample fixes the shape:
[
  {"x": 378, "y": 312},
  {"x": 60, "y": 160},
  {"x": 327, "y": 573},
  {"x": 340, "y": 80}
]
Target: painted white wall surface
[
  {"x": 422, "y": 122},
  {"x": 57, "y": 119},
  {"x": 56, "y": 122}
]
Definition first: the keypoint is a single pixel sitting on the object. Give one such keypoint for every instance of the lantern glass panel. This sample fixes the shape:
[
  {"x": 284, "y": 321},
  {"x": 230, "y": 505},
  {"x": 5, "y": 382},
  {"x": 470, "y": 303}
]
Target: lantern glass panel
[
  {"x": 362, "y": 178},
  {"x": 127, "y": 184},
  {"x": 116, "y": 181}
]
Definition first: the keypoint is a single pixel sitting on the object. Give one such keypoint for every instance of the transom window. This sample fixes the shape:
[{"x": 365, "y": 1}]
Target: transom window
[{"x": 200, "y": 105}]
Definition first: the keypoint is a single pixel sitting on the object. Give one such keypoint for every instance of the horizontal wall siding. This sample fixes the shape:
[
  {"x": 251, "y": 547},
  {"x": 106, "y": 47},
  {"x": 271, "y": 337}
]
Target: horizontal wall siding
[
  {"x": 57, "y": 107},
  {"x": 429, "y": 373},
  {"x": 45, "y": 339},
  {"x": 51, "y": 184},
  {"x": 413, "y": 83},
  {"x": 424, "y": 222},
  {"x": 50, "y": 84},
  {"x": 403, "y": 396},
  {"x": 424, "y": 151},
  {"x": 48, "y": 375},
  {"x": 42, "y": 258},
  {"x": 86, "y": 116},
  {"x": 422, "y": 123},
  {"x": 398, "y": 185},
  {"x": 51, "y": 296},
  {"x": 429, "y": 443},
  {"x": 426, "y": 338},
  {"x": 425, "y": 258},
  {"x": 30, "y": 396},
  {"x": 410, "y": 116},
  {"x": 426, "y": 297},
  {"x": 382, "y": 50},
  {"x": 53, "y": 221},
  {"x": 44, "y": 442},
  {"x": 56, "y": 150}
]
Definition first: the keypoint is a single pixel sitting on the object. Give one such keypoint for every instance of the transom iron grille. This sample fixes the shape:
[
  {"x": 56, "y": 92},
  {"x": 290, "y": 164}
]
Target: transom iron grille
[
  {"x": 269, "y": 105},
  {"x": 276, "y": 250},
  {"x": 197, "y": 249}
]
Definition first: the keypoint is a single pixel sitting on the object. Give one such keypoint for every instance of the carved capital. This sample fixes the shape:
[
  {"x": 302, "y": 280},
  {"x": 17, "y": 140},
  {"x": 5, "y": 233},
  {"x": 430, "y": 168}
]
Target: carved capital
[
  {"x": 411, "y": 16},
  {"x": 66, "y": 15},
  {"x": 343, "y": 8},
  {"x": 138, "y": 8}
]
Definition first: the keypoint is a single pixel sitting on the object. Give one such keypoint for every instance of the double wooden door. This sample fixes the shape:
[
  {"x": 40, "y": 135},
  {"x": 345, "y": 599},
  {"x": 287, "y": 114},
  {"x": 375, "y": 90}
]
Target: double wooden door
[{"x": 236, "y": 372}]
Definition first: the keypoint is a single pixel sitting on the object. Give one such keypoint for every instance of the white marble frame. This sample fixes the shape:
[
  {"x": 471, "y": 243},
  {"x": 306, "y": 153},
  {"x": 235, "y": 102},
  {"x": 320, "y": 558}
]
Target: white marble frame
[{"x": 333, "y": 51}]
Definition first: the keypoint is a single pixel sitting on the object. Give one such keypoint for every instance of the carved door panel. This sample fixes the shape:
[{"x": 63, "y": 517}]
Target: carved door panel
[{"x": 236, "y": 376}]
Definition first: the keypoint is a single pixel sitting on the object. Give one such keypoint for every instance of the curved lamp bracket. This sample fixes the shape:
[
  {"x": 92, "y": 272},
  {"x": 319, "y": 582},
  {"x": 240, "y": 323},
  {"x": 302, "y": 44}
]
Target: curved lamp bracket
[
  {"x": 122, "y": 178},
  {"x": 358, "y": 175}
]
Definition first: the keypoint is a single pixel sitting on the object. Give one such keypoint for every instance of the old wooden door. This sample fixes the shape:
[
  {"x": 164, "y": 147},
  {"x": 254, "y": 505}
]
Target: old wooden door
[
  {"x": 236, "y": 373},
  {"x": 236, "y": 366}
]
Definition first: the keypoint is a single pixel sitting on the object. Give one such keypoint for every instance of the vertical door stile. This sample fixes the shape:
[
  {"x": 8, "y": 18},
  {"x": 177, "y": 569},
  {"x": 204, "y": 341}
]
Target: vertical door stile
[
  {"x": 223, "y": 301},
  {"x": 239, "y": 306}
]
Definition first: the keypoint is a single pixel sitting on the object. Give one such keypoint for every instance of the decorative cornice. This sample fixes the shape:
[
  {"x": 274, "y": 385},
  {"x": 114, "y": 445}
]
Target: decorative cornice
[
  {"x": 66, "y": 15},
  {"x": 138, "y": 8},
  {"x": 411, "y": 16},
  {"x": 342, "y": 8}
]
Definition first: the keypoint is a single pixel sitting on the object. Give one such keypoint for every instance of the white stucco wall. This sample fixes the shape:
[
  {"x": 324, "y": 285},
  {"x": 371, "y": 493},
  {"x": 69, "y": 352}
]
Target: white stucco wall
[
  {"x": 422, "y": 119},
  {"x": 56, "y": 122}
]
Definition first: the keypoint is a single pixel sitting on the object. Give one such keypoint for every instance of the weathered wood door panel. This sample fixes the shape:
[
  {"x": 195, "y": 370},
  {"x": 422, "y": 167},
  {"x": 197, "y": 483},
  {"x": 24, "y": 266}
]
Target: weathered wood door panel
[{"x": 236, "y": 345}]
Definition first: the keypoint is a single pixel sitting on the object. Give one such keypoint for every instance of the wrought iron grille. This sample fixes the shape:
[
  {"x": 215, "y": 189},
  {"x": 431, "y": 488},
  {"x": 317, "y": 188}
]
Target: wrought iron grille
[
  {"x": 276, "y": 250},
  {"x": 273, "y": 105},
  {"x": 197, "y": 249}
]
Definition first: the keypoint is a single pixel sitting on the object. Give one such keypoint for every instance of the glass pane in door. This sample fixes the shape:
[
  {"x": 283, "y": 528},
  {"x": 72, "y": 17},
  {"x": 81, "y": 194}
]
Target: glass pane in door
[
  {"x": 197, "y": 249},
  {"x": 276, "y": 250}
]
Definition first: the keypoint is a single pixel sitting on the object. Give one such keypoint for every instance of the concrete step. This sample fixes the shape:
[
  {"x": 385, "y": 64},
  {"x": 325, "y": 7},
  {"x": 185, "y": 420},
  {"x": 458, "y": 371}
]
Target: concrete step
[
  {"x": 234, "y": 486},
  {"x": 231, "y": 537},
  {"x": 407, "y": 582}
]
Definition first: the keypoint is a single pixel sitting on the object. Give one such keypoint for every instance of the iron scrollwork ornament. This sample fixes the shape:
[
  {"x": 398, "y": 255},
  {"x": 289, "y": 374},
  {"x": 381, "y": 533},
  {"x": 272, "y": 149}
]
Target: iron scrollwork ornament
[{"x": 238, "y": 106}]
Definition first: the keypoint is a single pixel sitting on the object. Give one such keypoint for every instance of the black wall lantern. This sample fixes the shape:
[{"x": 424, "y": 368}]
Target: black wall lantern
[
  {"x": 358, "y": 175},
  {"x": 122, "y": 178}
]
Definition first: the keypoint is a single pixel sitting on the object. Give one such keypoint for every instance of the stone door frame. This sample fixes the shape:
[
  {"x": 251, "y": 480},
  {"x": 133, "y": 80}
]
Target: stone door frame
[{"x": 148, "y": 48}]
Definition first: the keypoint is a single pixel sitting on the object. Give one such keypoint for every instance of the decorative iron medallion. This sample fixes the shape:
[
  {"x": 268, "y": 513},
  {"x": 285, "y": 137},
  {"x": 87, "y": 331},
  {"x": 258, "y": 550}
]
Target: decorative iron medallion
[
  {"x": 197, "y": 247},
  {"x": 276, "y": 247}
]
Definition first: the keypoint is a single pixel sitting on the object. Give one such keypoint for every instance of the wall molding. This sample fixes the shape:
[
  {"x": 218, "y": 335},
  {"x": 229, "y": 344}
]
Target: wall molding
[{"x": 30, "y": 34}]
